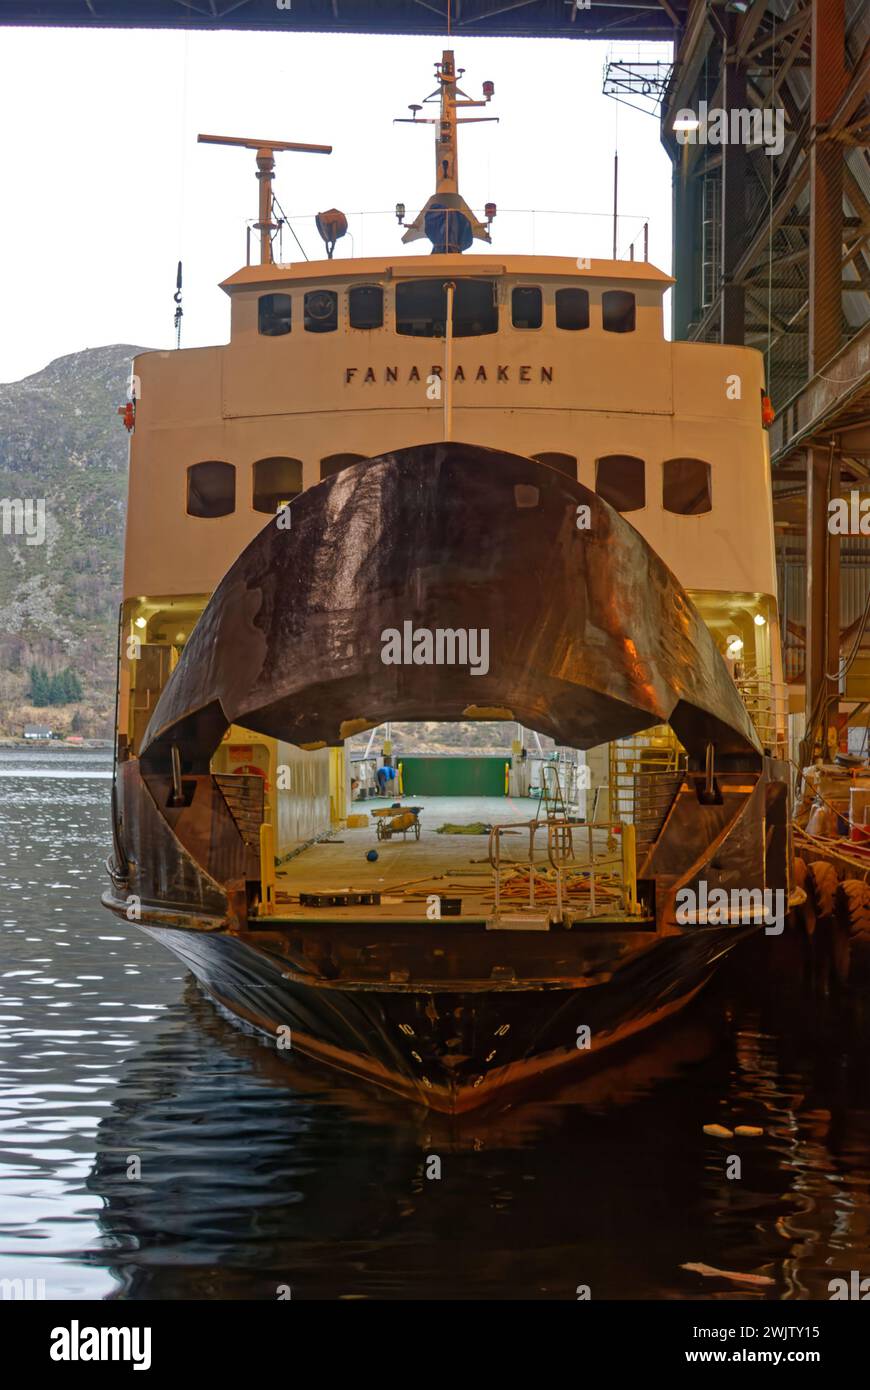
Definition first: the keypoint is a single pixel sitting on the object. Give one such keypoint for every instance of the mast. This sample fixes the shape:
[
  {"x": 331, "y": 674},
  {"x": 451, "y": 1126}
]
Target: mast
[
  {"x": 446, "y": 219},
  {"x": 446, "y": 141},
  {"x": 265, "y": 174}
]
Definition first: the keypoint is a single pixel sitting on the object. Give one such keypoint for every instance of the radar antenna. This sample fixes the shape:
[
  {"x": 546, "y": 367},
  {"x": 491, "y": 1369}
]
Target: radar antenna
[
  {"x": 265, "y": 173},
  {"x": 447, "y": 220}
]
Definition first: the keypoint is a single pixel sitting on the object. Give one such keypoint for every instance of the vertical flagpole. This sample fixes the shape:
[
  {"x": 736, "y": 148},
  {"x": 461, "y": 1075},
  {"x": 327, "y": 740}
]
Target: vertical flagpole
[{"x": 447, "y": 384}]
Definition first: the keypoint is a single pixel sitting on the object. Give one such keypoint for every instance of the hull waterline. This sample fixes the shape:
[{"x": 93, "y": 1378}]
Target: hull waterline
[{"x": 456, "y": 1050}]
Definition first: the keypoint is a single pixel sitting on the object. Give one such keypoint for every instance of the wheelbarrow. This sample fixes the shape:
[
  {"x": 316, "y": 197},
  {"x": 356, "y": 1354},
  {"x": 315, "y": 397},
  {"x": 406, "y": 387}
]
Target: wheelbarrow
[{"x": 397, "y": 820}]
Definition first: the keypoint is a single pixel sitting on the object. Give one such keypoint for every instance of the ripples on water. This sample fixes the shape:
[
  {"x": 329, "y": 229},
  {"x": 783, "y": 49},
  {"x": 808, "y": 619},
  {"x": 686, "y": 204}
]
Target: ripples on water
[{"x": 259, "y": 1171}]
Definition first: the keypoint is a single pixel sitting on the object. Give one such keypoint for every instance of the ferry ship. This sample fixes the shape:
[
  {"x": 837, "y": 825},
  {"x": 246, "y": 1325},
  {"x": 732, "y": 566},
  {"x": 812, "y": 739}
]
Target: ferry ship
[{"x": 448, "y": 487}]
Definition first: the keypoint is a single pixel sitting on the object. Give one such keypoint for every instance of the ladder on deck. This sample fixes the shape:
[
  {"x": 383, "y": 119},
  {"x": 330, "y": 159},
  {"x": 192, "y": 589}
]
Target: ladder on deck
[{"x": 551, "y": 802}]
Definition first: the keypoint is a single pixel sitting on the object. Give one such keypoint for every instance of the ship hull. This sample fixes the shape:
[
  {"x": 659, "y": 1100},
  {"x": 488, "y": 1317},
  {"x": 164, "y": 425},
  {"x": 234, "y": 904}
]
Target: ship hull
[
  {"x": 451, "y": 1050},
  {"x": 589, "y": 639}
]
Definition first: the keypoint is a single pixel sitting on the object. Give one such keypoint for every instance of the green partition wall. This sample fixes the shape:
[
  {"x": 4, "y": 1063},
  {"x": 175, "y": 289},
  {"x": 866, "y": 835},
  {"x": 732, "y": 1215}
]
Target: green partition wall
[{"x": 453, "y": 776}]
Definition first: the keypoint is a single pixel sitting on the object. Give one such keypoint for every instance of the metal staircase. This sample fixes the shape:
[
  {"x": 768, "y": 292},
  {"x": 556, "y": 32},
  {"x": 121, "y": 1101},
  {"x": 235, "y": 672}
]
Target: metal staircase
[
  {"x": 244, "y": 796},
  {"x": 645, "y": 774}
]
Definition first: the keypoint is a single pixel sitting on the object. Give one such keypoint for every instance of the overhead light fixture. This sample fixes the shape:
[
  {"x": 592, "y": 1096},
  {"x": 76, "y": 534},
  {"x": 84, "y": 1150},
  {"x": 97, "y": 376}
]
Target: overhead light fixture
[
  {"x": 737, "y": 6},
  {"x": 141, "y": 622},
  {"x": 759, "y": 620},
  {"x": 733, "y": 646},
  {"x": 686, "y": 123}
]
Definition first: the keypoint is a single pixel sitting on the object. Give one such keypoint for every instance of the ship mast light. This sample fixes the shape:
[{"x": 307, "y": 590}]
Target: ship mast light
[{"x": 447, "y": 220}]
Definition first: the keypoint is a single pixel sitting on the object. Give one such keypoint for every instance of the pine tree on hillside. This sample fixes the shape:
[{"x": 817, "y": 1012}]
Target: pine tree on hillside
[
  {"x": 63, "y": 689},
  {"x": 40, "y": 693}
]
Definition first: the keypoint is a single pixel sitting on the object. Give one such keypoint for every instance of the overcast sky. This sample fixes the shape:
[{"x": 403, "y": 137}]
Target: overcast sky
[{"x": 105, "y": 187}]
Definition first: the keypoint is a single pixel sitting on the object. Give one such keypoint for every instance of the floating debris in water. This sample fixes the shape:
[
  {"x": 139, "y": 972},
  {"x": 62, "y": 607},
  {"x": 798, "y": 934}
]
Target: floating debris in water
[{"x": 710, "y": 1273}]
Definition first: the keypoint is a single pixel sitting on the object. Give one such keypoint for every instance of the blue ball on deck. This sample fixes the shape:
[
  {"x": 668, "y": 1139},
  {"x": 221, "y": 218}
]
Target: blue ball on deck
[{"x": 372, "y": 856}]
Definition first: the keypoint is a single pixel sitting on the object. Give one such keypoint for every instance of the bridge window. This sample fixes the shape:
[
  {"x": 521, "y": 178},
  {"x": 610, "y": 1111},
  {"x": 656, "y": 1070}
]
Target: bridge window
[
  {"x": 686, "y": 487},
  {"x": 526, "y": 307},
  {"x": 572, "y": 309},
  {"x": 619, "y": 479},
  {"x": 211, "y": 489},
  {"x": 617, "y": 311},
  {"x": 274, "y": 314},
  {"x": 566, "y": 463},
  {"x": 421, "y": 308},
  {"x": 321, "y": 311},
  {"x": 276, "y": 481},
  {"x": 474, "y": 308},
  {"x": 335, "y": 463},
  {"x": 366, "y": 306}
]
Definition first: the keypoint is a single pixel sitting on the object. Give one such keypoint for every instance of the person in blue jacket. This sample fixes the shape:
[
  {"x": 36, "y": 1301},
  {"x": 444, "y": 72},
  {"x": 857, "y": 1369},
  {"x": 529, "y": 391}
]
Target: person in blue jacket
[{"x": 385, "y": 774}]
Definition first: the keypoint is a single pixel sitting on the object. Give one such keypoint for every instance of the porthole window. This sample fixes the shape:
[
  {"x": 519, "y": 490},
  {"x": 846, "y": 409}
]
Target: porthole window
[
  {"x": 617, "y": 311},
  {"x": 619, "y": 479},
  {"x": 566, "y": 463},
  {"x": 274, "y": 314},
  {"x": 686, "y": 487},
  {"x": 572, "y": 309},
  {"x": 276, "y": 481},
  {"x": 321, "y": 311},
  {"x": 365, "y": 305},
  {"x": 211, "y": 489},
  {"x": 336, "y": 463},
  {"x": 526, "y": 307}
]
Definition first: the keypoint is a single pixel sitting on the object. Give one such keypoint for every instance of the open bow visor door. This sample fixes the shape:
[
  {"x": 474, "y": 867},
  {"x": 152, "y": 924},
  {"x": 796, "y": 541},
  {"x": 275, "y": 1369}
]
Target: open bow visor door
[{"x": 449, "y": 582}]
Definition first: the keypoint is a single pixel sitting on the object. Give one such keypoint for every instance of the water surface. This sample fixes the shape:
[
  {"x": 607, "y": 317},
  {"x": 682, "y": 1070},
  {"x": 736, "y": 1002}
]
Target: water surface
[{"x": 259, "y": 1171}]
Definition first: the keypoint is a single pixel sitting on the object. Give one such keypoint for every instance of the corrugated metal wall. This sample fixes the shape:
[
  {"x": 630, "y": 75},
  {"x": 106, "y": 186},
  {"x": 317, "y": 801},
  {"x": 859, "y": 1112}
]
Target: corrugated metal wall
[
  {"x": 303, "y": 804},
  {"x": 792, "y": 581},
  {"x": 854, "y": 582}
]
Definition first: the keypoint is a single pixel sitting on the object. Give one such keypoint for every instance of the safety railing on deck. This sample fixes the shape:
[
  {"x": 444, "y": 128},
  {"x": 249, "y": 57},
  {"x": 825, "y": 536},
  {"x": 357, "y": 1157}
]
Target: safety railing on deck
[
  {"x": 645, "y": 773},
  {"x": 577, "y": 872},
  {"x": 766, "y": 703},
  {"x": 244, "y": 796}
]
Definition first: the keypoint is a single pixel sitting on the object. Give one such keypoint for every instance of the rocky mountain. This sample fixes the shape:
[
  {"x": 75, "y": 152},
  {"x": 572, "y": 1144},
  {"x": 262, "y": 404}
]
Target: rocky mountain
[
  {"x": 63, "y": 445},
  {"x": 61, "y": 442}
]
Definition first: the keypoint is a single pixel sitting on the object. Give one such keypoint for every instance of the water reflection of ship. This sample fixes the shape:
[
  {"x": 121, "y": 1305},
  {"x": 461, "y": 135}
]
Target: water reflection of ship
[{"x": 259, "y": 1171}]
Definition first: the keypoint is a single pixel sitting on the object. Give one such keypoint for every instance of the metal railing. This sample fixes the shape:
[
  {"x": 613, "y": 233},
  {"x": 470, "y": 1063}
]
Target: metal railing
[
  {"x": 244, "y": 795},
  {"x": 645, "y": 773},
  {"x": 574, "y": 873},
  {"x": 766, "y": 703}
]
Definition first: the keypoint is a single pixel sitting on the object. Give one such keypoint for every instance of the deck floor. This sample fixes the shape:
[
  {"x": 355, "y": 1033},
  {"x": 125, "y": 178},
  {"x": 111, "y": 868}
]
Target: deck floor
[{"x": 407, "y": 870}]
